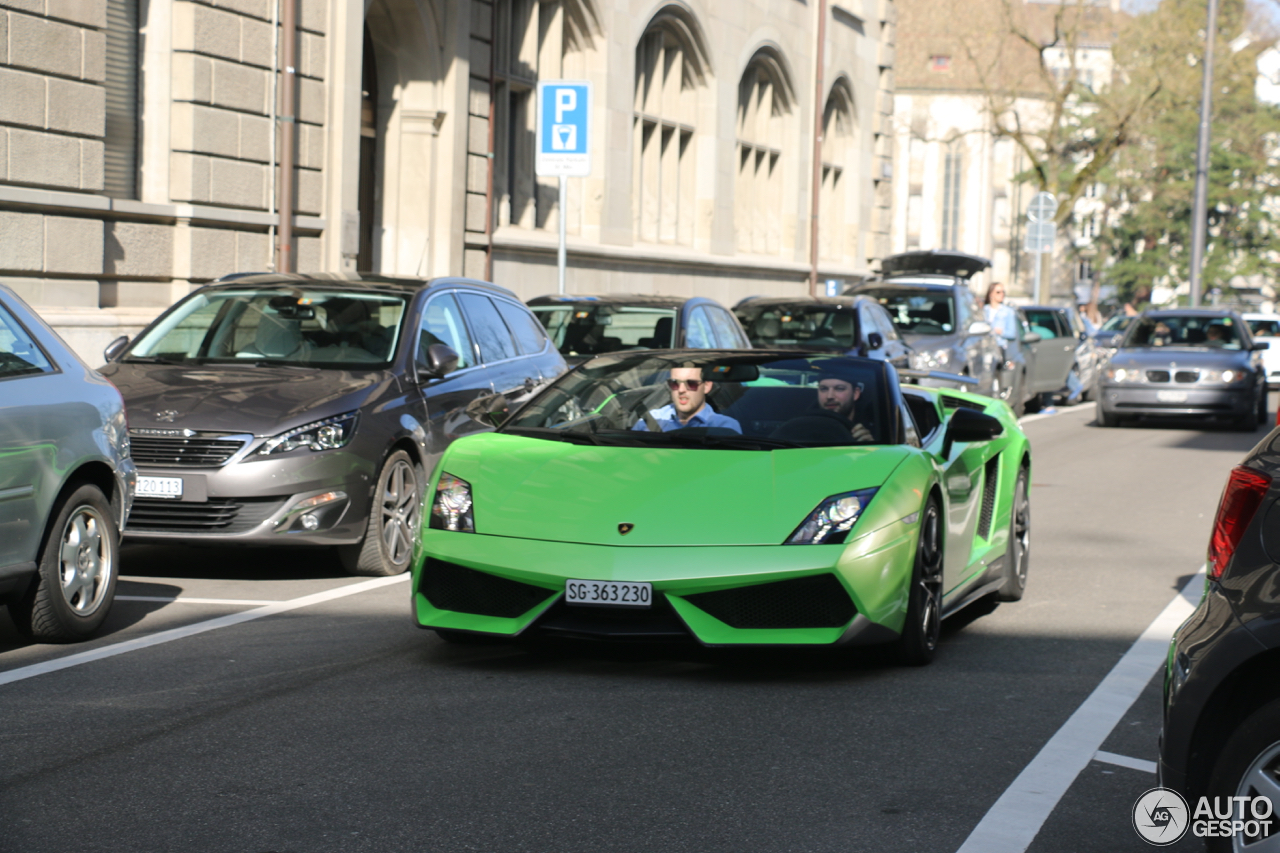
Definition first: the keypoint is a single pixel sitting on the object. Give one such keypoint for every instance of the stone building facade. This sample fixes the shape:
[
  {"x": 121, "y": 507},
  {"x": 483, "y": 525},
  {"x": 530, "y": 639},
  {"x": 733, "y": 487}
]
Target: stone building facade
[
  {"x": 139, "y": 146},
  {"x": 961, "y": 186}
]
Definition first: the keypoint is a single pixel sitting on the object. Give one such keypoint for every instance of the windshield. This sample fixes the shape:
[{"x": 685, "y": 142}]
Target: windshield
[
  {"x": 1116, "y": 323},
  {"x": 807, "y": 326},
  {"x": 922, "y": 312},
  {"x": 586, "y": 329},
  {"x": 286, "y": 325},
  {"x": 1264, "y": 328},
  {"x": 1184, "y": 331},
  {"x": 713, "y": 400}
]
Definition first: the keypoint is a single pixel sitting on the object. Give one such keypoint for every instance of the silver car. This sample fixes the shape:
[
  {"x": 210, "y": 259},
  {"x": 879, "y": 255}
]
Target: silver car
[{"x": 66, "y": 481}]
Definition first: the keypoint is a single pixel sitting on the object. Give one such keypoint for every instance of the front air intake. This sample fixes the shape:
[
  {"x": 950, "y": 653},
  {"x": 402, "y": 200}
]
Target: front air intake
[
  {"x": 449, "y": 586},
  {"x": 817, "y": 601}
]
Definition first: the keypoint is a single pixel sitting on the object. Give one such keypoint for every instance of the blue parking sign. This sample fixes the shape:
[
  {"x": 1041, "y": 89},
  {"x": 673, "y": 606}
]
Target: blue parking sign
[{"x": 563, "y": 133}]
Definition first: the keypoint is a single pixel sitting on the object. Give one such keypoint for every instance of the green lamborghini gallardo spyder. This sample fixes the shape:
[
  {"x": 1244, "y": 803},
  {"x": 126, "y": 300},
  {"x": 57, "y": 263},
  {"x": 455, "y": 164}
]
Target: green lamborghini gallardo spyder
[{"x": 732, "y": 498}]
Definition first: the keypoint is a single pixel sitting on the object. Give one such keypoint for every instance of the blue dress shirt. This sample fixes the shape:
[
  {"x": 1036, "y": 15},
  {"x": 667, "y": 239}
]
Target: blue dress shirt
[{"x": 669, "y": 420}]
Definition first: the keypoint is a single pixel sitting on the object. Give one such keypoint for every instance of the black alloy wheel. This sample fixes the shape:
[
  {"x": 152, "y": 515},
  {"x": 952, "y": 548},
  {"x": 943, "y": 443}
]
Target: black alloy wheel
[
  {"x": 394, "y": 520},
  {"x": 922, "y": 628},
  {"x": 1018, "y": 556}
]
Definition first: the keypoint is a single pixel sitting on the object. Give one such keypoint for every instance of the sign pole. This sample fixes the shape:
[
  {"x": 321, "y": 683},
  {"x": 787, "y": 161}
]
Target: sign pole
[
  {"x": 563, "y": 255},
  {"x": 1036, "y": 289},
  {"x": 563, "y": 150}
]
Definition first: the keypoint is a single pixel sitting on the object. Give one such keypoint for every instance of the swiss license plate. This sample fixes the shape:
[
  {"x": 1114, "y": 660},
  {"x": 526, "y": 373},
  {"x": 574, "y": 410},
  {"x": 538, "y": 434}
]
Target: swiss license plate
[
  {"x": 609, "y": 593},
  {"x": 159, "y": 487},
  {"x": 1171, "y": 396}
]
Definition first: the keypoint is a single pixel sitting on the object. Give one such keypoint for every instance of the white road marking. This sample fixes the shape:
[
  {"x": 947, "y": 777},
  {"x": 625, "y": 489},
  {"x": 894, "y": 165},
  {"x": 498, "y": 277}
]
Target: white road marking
[
  {"x": 1011, "y": 824},
  {"x": 1125, "y": 761},
  {"x": 172, "y": 634},
  {"x": 244, "y": 601}
]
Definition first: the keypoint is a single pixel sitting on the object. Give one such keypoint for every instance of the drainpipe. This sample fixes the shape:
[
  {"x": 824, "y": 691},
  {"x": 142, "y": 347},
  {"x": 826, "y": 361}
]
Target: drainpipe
[
  {"x": 818, "y": 87},
  {"x": 275, "y": 95},
  {"x": 287, "y": 258},
  {"x": 493, "y": 113}
]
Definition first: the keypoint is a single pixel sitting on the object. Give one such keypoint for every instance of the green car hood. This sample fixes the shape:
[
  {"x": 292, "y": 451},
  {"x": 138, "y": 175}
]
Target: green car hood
[{"x": 552, "y": 490}]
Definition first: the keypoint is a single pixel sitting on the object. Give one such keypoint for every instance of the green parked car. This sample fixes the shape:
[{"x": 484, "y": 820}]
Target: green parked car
[{"x": 733, "y": 498}]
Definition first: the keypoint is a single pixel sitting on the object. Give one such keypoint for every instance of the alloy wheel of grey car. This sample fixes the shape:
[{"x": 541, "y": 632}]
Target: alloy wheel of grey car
[
  {"x": 76, "y": 581},
  {"x": 394, "y": 520},
  {"x": 1249, "y": 767}
]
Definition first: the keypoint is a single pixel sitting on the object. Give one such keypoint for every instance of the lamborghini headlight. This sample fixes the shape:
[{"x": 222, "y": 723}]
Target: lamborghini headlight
[
  {"x": 1125, "y": 374},
  {"x": 451, "y": 507},
  {"x": 1225, "y": 377},
  {"x": 328, "y": 434},
  {"x": 831, "y": 522}
]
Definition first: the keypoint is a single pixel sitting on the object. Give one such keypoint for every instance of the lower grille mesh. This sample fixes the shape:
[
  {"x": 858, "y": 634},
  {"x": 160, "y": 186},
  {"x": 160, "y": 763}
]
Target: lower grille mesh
[
  {"x": 220, "y": 515},
  {"x": 818, "y": 601},
  {"x": 449, "y": 586}
]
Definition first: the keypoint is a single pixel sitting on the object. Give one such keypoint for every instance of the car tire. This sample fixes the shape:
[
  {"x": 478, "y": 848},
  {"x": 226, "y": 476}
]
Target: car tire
[
  {"x": 76, "y": 573},
  {"x": 394, "y": 521},
  {"x": 1018, "y": 555},
  {"x": 1033, "y": 404},
  {"x": 1249, "y": 760},
  {"x": 1103, "y": 418},
  {"x": 921, "y": 630},
  {"x": 1262, "y": 408}
]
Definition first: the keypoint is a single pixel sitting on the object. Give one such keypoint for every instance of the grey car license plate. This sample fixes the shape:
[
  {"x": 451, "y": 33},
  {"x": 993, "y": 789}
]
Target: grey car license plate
[
  {"x": 608, "y": 593},
  {"x": 1171, "y": 396},
  {"x": 159, "y": 487}
]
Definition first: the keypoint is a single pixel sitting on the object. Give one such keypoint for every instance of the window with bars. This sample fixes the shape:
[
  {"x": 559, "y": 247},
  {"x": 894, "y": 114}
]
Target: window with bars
[
  {"x": 758, "y": 204},
  {"x": 533, "y": 40},
  {"x": 664, "y": 154},
  {"x": 120, "y": 149},
  {"x": 952, "y": 169}
]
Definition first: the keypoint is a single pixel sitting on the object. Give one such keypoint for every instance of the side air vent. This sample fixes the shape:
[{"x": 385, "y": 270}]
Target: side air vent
[
  {"x": 818, "y": 601},
  {"x": 949, "y": 402},
  {"x": 989, "y": 481}
]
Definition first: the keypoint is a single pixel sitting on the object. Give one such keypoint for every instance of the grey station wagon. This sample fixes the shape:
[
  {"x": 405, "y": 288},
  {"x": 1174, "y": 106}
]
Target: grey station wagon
[
  {"x": 310, "y": 410},
  {"x": 66, "y": 481}
]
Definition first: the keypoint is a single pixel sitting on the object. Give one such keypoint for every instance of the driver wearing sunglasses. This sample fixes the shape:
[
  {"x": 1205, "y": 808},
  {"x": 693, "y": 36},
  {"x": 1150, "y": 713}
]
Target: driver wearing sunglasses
[{"x": 688, "y": 406}]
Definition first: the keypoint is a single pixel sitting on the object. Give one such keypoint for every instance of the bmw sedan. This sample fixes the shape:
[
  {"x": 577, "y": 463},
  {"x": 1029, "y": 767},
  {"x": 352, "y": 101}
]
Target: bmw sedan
[
  {"x": 310, "y": 410},
  {"x": 66, "y": 481},
  {"x": 1186, "y": 363},
  {"x": 1221, "y": 733}
]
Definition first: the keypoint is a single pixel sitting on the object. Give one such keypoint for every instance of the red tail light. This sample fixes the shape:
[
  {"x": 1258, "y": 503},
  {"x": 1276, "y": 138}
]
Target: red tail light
[{"x": 1240, "y": 500}]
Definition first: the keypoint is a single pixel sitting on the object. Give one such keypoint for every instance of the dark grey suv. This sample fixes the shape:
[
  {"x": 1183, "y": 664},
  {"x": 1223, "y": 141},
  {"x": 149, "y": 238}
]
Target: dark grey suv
[
  {"x": 66, "y": 481},
  {"x": 310, "y": 410}
]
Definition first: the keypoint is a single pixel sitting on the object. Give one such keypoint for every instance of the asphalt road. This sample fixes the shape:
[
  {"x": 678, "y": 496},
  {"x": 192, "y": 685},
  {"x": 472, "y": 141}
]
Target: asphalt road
[{"x": 333, "y": 724}]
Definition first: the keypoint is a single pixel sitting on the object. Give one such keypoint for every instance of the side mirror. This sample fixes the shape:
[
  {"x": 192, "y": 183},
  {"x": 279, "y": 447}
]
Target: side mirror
[
  {"x": 1261, "y": 345},
  {"x": 969, "y": 425},
  {"x": 875, "y": 340},
  {"x": 115, "y": 347},
  {"x": 979, "y": 327},
  {"x": 1032, "y": 338},
  {"x": 441, "y": 361}
]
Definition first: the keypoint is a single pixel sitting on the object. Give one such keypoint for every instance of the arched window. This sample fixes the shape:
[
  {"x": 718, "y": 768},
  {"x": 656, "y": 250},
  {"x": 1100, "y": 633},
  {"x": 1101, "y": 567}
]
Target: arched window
[
  {"x": 764, "y": 102},
  {"x": 535, "y": 39},
  {"x": 952, "y": 170},
  {"x": 836, "y": 235},
  {"x": 669, "y": 74}
]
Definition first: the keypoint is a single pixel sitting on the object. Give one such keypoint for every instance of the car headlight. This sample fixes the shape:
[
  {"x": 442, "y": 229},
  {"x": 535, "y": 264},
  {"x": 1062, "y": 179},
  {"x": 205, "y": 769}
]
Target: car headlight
[
  {"x": 931, "y": 360},
  {"x": 1125, "y": 374},
  {"x": 328, "y": 434},
  {"x": 451, "y": 506},
  {"x": 1234, "y": 376},
  {"x": 831, "y": 522}
]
